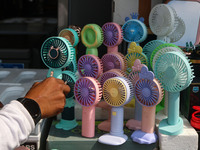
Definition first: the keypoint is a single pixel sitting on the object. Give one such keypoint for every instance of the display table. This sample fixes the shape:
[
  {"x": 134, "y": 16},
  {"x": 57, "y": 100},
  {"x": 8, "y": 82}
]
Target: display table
[{"x": 59, "y": 139}]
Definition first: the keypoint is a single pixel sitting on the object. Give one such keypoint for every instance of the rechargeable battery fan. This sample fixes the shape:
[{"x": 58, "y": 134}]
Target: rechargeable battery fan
[
  {"x": 148, "y": 93},
  {"x": 56, "y": 53},
  {"x": 92, "y": 38},
  {"x": 174, "y": 72},
  {"x": 117, "y": 92},
  {"x": 165, "y": 23},
  {"x": 149, "y": 48},
  {"x": 135, "y": 54},
  {"x": 112, "y": 36},
  {"x": 134, "y": 31},
  {"x": 90, "y": 65},
  {"x": 88, "y": 93},
  {"x": 72, "y": 36},
  {"x": 113, "y": 60},
  {"x": 105, "y": 125},
  {"x": 68, "y": 120},
  {"x": 135, "y": 124}
]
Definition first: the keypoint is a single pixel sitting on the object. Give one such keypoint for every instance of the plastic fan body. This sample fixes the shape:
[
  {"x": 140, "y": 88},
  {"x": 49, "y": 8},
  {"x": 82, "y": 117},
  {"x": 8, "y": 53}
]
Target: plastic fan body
[
  {"x": 165, "y": 23},
  {"x": 113, "y": 61},
  {"x": 90, "y": 65},
  {"x": 134, "y": 31},
  {"x": 92, "y": 38},
  {"x": 112, "y": 36},
  {"x": 105, "y": 125},
  {"x": 68, "y": 120},
  {"x": 149, "y": 48},
  {"x": 173, "y": 70},
  {"x": 135, "y": 124},
  {"x": 87, "y": 91},
  {"x": 117, "y": 92},
  {"x": 148, "y": 93}
]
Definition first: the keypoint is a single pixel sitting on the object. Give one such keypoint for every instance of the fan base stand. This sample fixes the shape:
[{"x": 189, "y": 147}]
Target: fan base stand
[
  {"x": 133, "y": 124},
  {"x": 112, "y": 140},
  {"x": 143, "y": 137},
  {"x": 168, "y": 129},
  {"x": 66, "y": 124},
  {"x": 105, "y": 126}
]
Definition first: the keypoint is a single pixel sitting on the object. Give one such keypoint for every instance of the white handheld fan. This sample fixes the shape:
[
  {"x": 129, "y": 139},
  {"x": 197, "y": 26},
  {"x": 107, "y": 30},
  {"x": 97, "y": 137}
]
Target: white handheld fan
[
  {"x": 117, "y": 92},
  {"x": 165, "y": 23},
  {"x": 173, "y": 70}
]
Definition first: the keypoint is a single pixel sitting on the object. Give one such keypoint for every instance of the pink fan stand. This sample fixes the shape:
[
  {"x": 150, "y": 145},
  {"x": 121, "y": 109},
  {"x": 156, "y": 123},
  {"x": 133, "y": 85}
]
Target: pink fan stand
[{"x": 135, "y": 124}]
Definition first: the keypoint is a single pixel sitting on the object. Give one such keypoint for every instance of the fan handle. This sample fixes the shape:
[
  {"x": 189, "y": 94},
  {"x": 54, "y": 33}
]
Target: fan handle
[
  {"x": 88, "y": 121},
  {"x": 112, "y": 49},
  {"x": 92, "y": 51},
  {"x": 117, "y": 119}
]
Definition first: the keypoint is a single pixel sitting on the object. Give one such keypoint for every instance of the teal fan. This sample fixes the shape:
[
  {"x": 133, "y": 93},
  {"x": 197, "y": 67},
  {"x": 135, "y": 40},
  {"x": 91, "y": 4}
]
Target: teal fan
[
  {"x": 68, "y": 120},
  {"x": 175, "y": 73}
]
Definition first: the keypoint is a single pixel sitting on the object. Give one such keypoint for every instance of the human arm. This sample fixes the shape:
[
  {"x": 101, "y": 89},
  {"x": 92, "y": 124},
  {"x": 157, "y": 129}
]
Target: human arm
[{"x": 15, "y": 121}]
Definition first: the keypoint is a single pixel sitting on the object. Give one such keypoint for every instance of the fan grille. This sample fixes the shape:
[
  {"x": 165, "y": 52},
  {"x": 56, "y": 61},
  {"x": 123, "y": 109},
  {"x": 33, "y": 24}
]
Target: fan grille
[
  {"x": 147, "y": 92},
  {"x": 87, "y": 91},
  {"x": 57, "y": 52},
  {"x": 92, "y": 35},
  {"x": 173, "y": 71},
  {"x": 70, "y": 79},
  {"x": 112, "y": 34},
  {"x": 113, "y": 61},
  {"x": 161, "y": 19},
  {"x": 131, "y": 57},
  {"x": 90, "y": 65},
  {"x": 134, "y": 31}
]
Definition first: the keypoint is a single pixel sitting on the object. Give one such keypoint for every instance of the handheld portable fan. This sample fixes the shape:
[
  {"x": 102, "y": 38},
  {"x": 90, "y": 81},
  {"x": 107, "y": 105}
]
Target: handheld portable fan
[
  {"x": 113, "y": 61},
  {"x": 149, "y": 48},
  {"x": 148, "y": 93},
  {"x": 164, "y": 23},
  {"x": 134, "y": 31},
  {"x": 112, "y": 36},
  {"x": 68, "y": 121},
  {"x": 135, "y": 124},
  {"x": 72, "y": 36},
  {"x": 117, "y": 91},
  {"x": 135, "y": 54},
  {"x": 157, "y": 49},
  {"x": 105, "y": 125},
  {"x": 88, "y": 92},
  {"x": 57, "y": 53},
  {"x": 90, "y": 65},
  {"x": 77, "y": 29},
  {"x": 92, "y": 37},
  {"x": 173, "y": 70}
]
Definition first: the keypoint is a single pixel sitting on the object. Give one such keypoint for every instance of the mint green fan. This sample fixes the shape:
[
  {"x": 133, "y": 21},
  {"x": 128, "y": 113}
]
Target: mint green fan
[
  {"x": 68, "y": 121},
  {"x": 175, "y": 73},
  {"x": 92, "y": 38},
  {"x": 57, "y": 53}
]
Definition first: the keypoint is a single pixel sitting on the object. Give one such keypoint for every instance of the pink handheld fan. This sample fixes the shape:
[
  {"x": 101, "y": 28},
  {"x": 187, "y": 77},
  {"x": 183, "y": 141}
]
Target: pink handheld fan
[
  {"x": 105, "y": 125},
  {"x": 88, "y": 92},
  {"x": 90, "y": 65},
  {"x": 135, "y": 124},
  {"x": 112, "y": 36},
  {"x": 113, "y": 61},
  {"x": 148, "y": 93}
]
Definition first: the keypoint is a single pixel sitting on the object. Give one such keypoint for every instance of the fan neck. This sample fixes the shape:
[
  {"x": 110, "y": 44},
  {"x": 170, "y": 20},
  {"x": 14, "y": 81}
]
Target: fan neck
[
  {"x": 92, "y": 50},
  {"x": 112, "y": 49}
]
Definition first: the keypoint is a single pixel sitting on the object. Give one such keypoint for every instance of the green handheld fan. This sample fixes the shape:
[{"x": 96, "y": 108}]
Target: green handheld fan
[{"x": 92, "y": 38}]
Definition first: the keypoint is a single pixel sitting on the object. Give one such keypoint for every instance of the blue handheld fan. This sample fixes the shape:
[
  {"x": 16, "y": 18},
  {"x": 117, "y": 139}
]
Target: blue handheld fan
[
  {"x": 68, "y": 120},
  {"x": 174, "y": 72}
]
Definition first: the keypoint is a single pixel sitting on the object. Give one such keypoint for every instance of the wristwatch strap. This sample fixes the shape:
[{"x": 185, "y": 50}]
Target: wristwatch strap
[{"x": 32, "y": 107}]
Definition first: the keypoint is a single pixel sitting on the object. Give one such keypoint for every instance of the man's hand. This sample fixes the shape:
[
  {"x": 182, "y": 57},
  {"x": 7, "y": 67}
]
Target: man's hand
[{"x": 50, "y": 95}]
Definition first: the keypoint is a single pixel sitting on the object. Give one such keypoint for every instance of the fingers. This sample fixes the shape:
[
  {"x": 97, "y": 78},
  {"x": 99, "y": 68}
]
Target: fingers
[
  {"x": 35, "y": 84},
  {"x": 66, "y": 89}
]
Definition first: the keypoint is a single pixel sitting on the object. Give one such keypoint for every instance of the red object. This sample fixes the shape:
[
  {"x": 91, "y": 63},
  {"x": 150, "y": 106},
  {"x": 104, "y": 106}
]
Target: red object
[{"x": 195, "y": 120}]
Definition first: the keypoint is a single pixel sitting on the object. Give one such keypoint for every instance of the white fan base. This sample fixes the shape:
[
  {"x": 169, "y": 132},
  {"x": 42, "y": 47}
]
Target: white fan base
[{"x": 113, "y": 140}]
